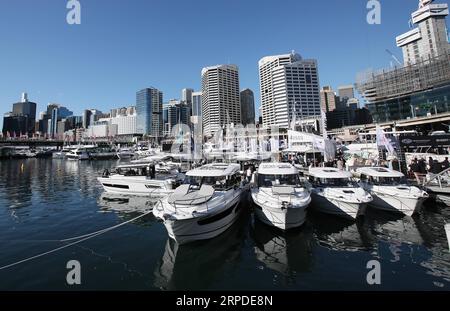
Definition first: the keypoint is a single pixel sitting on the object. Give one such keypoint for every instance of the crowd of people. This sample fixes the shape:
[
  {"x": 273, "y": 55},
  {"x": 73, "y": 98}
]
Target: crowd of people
[{"x": 419, "y": 168}]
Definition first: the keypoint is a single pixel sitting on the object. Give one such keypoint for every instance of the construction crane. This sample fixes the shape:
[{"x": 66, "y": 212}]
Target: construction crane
[{"x": 394, "y": 57}]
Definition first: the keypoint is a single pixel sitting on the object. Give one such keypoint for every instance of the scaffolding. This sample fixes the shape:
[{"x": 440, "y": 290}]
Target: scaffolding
[{"x": 378, "y": 85}]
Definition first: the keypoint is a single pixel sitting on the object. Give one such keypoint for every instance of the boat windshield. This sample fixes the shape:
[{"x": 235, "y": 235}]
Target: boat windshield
[
  {"x": 333, "y": 182},
  {"x": 278, "y": 180},
  {"x": 389, "y": 181},
  {"x": 218, "y": 183}
]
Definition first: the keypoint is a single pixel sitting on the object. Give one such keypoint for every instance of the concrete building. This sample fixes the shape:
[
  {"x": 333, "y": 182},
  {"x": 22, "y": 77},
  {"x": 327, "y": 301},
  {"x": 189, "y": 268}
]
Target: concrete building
[
  {"x": 149, "y": 109},
  {"x": 345, "y": 93},
  {"x": 247, "y": 107},
  {"x": 421, "y": 87},
  {"x": 126, "y": 121},
  {"x": 429, "y": 39},
  {"x": 101, "y": 129},
  {"x": 175, "y": 112},
  {"x": 288, "y": 84},
  {"x": 220, "y": 97},
  {"x": 328, "y": 99}
]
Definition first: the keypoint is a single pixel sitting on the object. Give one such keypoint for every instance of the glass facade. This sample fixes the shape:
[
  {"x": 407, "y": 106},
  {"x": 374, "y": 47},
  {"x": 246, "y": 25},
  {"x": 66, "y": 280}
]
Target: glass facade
[
  {"x": 149, "y": 112},
  {"x": 419, "y": 104}
]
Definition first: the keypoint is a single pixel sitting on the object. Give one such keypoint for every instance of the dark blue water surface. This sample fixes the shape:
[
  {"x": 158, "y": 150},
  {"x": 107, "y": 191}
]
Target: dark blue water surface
[{"x": 44, "y": 200}]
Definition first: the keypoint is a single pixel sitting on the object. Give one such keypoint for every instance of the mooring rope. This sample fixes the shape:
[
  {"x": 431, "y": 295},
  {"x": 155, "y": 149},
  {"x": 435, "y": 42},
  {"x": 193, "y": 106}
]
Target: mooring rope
[{"x": 79, "y": 239}]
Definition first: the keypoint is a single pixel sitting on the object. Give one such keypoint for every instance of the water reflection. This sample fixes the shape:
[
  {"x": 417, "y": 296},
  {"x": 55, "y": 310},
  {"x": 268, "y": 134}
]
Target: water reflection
[
  {"x": 288, "y": 253},
  {"x": 430, "y": 225},
  {"x": 341, "y": 234},
  {"x": 197, "y": 266},
  {"x": 124, "y": 204}
]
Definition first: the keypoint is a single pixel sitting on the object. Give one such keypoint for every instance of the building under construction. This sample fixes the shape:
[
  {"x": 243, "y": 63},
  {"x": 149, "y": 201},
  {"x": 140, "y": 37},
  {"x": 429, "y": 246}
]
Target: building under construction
[{"x": 410, "y": 91}]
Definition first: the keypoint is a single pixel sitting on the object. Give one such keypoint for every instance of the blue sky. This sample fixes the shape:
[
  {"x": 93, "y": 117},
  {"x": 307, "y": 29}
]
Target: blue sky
[{"x": 123, "y": 46}]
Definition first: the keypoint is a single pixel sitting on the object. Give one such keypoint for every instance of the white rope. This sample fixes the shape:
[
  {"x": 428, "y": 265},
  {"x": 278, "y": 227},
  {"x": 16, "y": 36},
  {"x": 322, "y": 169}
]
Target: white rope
[{"x": 82, "y": 237}]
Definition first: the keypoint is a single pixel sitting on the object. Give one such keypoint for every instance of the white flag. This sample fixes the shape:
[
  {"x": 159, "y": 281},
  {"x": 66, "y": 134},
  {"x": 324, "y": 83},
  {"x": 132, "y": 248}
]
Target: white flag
[
  {"x": 324, "y": 124},
  {"x": 383, "y": 141}
]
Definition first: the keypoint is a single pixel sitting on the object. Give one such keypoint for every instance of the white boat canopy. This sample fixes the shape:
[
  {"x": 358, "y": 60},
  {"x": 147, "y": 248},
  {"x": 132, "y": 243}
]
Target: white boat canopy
[
  {"x": 329, "y": 172},
  {"x": 277, "y": 169},
  {"x": 378, "y": 172},
  {"x": 215, "y": 170}
]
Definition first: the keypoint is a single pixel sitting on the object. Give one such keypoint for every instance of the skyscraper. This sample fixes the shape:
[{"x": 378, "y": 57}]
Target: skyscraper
[
  {"x": 58, "y": 113},
  {"x": 328, "y": 99},
  {"x": 87, "y": 118},
  {"x": 149, "y": 112},
  {"x": 429, "y": 39},
  {"x": 186, "y": 95},
  {"x": 196, "y": 109},
  {"x": 22, "y": 119},
  {"x": 345, "y": 93},
  {"x": 247, "y": 107},
  {"x": 175, "y": 112},
  {"x": 288, "y": 84},
  {"x": 220, "y": 97}
]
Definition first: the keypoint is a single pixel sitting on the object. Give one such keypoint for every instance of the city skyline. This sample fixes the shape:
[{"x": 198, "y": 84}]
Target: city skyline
[{"x": 79, "y": 91}]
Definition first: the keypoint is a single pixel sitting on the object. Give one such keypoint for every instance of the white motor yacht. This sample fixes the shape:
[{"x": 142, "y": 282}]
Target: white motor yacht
[
  {"x": 390, "y": 191},
  {"x": 206, "y": 204},
  {"x": 140, "y": 180},
  {"x": 280, "y": 197},
  {"x": 126, "y": 153},
  {"x": 78, "y": 154},
  {"x": 334, "y": 192}
]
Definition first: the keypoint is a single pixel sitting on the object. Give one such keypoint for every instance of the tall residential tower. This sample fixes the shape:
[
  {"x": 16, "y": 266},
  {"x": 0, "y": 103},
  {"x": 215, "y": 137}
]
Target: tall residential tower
[
  {"x": 429, "y": 39},
  {"x": 220, "y": 97},
  {"x": 288, "y": 84}
]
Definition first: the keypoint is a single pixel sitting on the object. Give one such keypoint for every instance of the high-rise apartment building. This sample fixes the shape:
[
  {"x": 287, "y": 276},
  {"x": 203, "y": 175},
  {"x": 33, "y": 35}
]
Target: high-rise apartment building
[
  {"x": 288, "y": 85},
  {"x": 220, "y": 97},
  {"x": 429, "y": 39},
  {"x": 328, "y": 99}
]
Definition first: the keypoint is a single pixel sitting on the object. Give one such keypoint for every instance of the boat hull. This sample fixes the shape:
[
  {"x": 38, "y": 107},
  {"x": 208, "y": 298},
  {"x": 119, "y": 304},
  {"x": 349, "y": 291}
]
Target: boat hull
[
  {"x": 390, "y": 203},
  {"x": 336, "y": 207},
  {"x": 285, "y": 211},
  {"x": 206, "y": 227},
  {"x": 136, "y": 187},
  {"x": 284, "y": 219}
]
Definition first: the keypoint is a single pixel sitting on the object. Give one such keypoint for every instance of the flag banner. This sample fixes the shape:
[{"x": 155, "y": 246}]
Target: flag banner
[
  {"x": 383, "y": 141},
  {"x": 293, "y": 119},
  {"x": 319, "y": 144},
  {"x": 324, "y": 124},
  {"x": 274, "y": 144},
  {"x": 330, "y": 150},
  {"x": 253, "y": 145}
]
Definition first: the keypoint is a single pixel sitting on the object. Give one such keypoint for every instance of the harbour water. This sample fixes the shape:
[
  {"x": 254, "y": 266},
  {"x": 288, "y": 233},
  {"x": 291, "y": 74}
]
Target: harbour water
[{"x": 43, "y": 201}]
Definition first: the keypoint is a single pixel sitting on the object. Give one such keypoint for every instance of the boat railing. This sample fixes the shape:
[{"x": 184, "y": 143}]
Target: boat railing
[{"x": 438, "y": 177}]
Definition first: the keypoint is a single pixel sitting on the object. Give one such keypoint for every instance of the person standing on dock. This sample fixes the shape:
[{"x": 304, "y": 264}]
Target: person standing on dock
[
  {"x": 415, "y": 168},
  {"x": 445, "y": 164}
]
